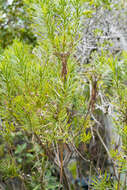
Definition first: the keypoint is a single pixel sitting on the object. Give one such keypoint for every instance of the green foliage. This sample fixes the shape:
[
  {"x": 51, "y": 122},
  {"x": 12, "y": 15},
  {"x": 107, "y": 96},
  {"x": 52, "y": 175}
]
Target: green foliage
[
  {"x": 72, "y": 167},
  {"x": 8, "y": 167},
  {"x": 55, "y": 25},
  {"x": 43, "y": 95},
  {"x": 42, "y": 105},
  {"x": 37, "y": 105},
  {"x": 34, "y": 97},
  {"x": 102, "y": 183}
]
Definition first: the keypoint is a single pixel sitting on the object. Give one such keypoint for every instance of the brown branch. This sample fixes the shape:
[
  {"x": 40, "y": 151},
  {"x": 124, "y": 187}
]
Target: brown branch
[
  {"x": 61, "y": 162},
  {"x": 64, "y": 58}
]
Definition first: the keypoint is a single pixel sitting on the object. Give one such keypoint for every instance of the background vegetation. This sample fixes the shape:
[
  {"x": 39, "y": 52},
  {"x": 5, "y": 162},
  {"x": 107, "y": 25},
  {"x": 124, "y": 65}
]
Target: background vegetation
[
  {"x": 14, "y": 22},
  {"x": 63, "y": 122}
]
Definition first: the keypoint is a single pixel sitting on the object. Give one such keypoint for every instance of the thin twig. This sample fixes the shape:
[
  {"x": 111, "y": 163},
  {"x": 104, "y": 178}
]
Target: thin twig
[
  {"x": 107, "y": 152},
  {"x": 80, "y": 153}
]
